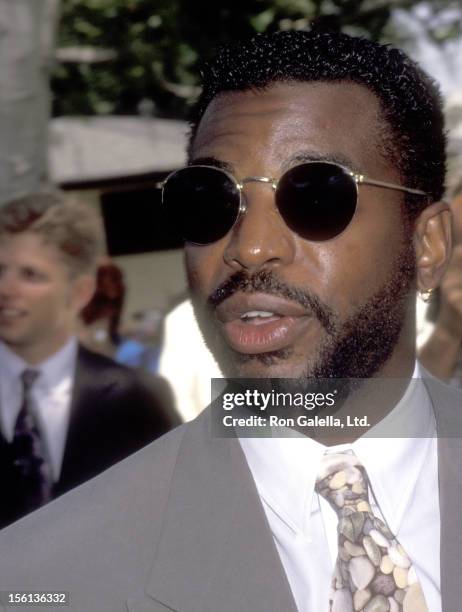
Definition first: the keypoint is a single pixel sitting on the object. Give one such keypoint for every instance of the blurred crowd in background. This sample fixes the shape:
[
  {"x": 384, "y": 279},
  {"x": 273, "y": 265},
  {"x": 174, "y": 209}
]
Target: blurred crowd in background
[{"x": 94, "y": 100}]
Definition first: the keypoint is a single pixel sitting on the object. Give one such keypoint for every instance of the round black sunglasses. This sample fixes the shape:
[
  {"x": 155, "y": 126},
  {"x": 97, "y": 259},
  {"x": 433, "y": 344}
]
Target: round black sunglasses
[{"x": 316, "y": 199}]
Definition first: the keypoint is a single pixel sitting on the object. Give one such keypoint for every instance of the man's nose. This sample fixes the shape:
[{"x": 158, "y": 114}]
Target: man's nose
[
  {"x": 8, "y": 284},
  {"x": 260, "y": 238}
]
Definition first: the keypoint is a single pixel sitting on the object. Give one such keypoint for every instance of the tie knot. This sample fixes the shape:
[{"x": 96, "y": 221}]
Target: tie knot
[
  {"x": 343, "y": 482},
  {"x": 28, "y": 378}
]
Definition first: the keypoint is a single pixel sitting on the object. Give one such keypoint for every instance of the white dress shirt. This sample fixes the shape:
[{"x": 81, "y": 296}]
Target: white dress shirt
[
  {"x": 51, "y": 395},
  {"x": 404, "y": 477}
]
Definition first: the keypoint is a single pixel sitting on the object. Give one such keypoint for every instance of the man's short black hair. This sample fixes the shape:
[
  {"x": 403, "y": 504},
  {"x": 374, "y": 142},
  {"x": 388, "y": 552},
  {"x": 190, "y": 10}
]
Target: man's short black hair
[{"x": 413, "y": 131}]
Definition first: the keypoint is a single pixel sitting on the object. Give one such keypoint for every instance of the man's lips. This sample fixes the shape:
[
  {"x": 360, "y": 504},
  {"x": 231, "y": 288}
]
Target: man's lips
[{"x": 260, "y": 323}]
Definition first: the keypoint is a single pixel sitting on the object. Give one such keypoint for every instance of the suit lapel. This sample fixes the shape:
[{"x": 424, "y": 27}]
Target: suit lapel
[
  {"x": 448, "y": 406},
  {"x": 83, "y": 402},
  {"x": 216, "y": 551},
  {"x": 451, "y": 531},
  {"x": 81, "y": 380}
]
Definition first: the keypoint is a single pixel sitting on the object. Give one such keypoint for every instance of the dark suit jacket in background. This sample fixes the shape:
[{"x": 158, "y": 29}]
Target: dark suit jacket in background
[
  {"x": 114, "y": 413},
  {"x": 180, "y": 527}
]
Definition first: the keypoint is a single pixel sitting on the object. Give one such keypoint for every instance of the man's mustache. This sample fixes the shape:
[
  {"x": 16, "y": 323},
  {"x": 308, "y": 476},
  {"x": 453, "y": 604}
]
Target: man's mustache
[{"x": 267, "y": 282}]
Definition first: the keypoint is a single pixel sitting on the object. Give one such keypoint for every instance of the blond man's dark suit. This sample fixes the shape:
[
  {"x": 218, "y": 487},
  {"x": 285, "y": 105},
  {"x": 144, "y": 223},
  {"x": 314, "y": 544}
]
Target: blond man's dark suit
[
  {"x": 114, "y": 413},
  {"x": 179, "y": 526}
]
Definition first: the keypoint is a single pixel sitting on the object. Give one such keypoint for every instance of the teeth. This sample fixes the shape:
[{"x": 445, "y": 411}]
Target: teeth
[
  {"x": 257, "y": 313},
  {"x": 10, "y": 312}
]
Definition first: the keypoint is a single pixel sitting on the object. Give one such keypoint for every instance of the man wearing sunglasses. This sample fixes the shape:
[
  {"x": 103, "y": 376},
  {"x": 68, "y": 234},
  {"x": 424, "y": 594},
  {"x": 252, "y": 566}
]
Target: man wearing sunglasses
[{"x": 311, "y": 210}]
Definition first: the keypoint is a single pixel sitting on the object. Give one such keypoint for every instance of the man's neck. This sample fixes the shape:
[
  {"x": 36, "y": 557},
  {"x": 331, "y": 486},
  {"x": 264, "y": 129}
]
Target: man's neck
[
  {"x": 373, "y": 398},
  {"x": 35, "y": 355}
]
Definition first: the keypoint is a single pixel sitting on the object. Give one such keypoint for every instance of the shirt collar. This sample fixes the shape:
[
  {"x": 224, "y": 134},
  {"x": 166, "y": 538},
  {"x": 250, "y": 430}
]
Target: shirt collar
[
  {"x": 285, "y": 469},
  {"x": 51, "y": 370},
  {"x": 54, "y": 369},
  {"x": 12, "y": 365}
]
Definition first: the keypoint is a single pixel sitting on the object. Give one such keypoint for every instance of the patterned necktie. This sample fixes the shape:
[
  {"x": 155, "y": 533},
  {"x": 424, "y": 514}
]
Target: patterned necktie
[
  {"x": 33, "y": 471},
  {"x": 373, "y": 573}
]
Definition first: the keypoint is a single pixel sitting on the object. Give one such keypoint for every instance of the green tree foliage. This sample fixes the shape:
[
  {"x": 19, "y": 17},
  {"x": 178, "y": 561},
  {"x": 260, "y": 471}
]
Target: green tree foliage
[{"x": 158, "y": 44}]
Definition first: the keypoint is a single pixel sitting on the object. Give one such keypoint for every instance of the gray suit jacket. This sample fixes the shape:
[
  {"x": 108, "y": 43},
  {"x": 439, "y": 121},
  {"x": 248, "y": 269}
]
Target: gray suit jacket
[{"x": 179, "y": 526}]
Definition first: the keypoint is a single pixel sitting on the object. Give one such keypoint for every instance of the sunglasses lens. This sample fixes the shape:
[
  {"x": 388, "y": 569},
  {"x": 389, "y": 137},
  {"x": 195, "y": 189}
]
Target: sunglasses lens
[
  {"x": 203, "y": 202},
  {"x": 317, "y": 200}
]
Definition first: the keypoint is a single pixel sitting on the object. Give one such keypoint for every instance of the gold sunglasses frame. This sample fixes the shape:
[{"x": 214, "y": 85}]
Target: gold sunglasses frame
[{"x": 359, "y": 179}]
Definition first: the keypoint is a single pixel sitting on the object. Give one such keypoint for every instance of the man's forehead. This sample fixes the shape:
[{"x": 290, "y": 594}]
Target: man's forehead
[
  {"x": 321, "y": 116},
  {"x": 293, "y": 97},
  {"x": 30, "y": 244}
]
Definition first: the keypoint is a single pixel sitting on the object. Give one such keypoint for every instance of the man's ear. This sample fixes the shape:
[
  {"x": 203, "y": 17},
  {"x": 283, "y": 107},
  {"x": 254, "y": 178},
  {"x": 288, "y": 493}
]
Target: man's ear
[
  {"x": 433, "y": 244},
  {"x": 82, "y": 291}
]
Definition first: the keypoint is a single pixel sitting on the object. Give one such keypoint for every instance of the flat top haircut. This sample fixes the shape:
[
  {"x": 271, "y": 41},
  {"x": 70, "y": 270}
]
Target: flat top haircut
[
  {"x": 413, "y": 125},
  {"x": 74, "y": 228}
]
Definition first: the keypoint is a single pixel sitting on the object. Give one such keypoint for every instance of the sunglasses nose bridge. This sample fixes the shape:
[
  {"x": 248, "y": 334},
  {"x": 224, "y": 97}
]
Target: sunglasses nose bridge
[
  {"x": 272, "y": 182},
  {"x": 252, "y": 179},
  {"x": 258, "y": 179},
  {"x": 260, "y": 237}
]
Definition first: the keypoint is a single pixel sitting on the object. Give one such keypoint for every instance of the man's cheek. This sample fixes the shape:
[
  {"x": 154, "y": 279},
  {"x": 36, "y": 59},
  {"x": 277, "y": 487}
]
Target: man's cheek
[
  {"x": 193, "y": 276},
  {"x": 199, "y": 270}
]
